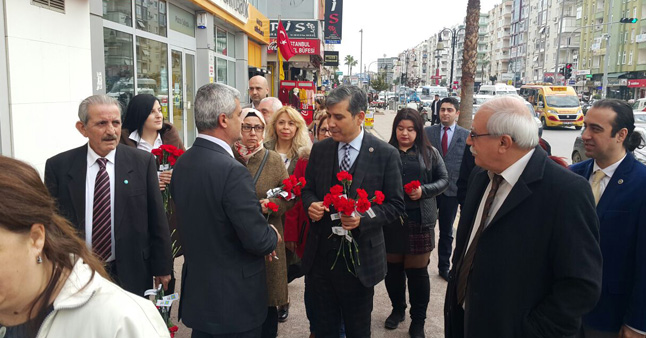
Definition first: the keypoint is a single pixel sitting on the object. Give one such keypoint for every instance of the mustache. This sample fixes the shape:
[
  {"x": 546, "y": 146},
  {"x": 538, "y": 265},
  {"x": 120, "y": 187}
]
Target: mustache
[
  {"x": 109, "y": 138},
  {"x": 473, "y": 151}
]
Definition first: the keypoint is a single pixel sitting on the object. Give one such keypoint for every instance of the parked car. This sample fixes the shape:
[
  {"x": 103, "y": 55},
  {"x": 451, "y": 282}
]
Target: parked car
[
  {"x": 578, "y": 150},
  {"x": 639, "y": 106}
]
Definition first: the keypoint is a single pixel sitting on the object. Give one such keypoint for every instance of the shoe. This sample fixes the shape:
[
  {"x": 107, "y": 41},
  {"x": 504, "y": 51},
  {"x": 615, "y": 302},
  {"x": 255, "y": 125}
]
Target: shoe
[
  {"x": 444, "y": 275},
  {"x": 416, "y": 329},
  {"x": 283, "y": 313},
  {"x": 394, "y": 319}
]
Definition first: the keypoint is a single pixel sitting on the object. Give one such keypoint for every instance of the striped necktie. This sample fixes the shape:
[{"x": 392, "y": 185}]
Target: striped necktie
[
  {"x": 345, "y": 163},
  {"x": 102, "y": 215}
]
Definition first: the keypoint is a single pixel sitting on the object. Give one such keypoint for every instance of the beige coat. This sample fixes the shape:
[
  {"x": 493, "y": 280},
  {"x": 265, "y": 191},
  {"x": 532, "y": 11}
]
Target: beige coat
[{"x": 271, "y": 177}]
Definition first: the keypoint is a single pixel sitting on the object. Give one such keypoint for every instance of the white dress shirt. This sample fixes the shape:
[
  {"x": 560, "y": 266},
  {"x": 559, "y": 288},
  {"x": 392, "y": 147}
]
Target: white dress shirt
[
  {"x": 355, "y": 146},
  {"x": 90, "y": 178},
  {"x": 143, "y": 144},
  {"x": 510, "y": 177},
  {"x": 609, "y": 171},
  {"x": 217, "y": 141}
]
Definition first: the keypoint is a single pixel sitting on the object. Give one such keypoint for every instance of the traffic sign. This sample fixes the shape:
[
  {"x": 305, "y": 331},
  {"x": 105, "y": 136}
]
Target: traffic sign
[
  {"x": 589, "y": 76},
  {"x": 339, "y": 73}
]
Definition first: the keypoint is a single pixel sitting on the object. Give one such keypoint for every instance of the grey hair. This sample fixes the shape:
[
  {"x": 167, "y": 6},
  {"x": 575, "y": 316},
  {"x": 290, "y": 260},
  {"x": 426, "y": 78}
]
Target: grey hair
[
  {"x": 358, "y": 101},
  {"x": 211, "y": 100},
  {"x": 511, "y": 117},
  {"x": 275, "y": 103},
  {"x": 99, "y": 100}
]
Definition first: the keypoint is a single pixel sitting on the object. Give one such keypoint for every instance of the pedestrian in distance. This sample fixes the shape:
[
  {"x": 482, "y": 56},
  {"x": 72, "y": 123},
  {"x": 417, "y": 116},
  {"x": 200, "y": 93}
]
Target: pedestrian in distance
[
  {"x": 268, "y": 172},
  {"x": 110, "y": 194},
  {"x": 618, "y": 182},
  {"x": 410, "y": 240},
  {"x": 516, "y": 272},
  {"x": 226, "y": 236},
  {"x": 52, "y": 285},
  {"x": 435, "y": 110},
  {"x": 451, "y": 139},
  {"x": 258, "y": 90},
  {"x": 345, "y": 289}
]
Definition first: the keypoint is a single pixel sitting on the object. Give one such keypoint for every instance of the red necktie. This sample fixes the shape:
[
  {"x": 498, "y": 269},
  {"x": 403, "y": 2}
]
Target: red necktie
[
  {"x": 445, "y": 141},
  {"x": 101, "y": 216}
]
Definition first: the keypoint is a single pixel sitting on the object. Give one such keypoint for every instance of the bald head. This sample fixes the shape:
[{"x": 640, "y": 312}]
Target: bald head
[{"x": 258, "y": 89}]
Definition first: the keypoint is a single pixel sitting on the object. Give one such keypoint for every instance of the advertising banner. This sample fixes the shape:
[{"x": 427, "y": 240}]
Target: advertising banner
[
  {"x": 331, "y": 58},
  {"x": 296, "y": 29},
  {"x": 333, "y": 21},
  {"x": 300, "y": 46}
]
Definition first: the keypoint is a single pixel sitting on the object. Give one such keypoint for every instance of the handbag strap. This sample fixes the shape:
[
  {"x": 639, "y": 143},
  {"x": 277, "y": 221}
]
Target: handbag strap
[{"x": 262, "y": 165}]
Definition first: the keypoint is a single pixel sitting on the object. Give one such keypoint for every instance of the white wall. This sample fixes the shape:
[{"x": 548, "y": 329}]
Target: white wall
[{"x": 50, "y": 72}]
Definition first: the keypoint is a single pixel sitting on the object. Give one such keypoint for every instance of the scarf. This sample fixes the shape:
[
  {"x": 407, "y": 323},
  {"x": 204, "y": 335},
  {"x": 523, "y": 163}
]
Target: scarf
[{"x": 247, "y": 152}]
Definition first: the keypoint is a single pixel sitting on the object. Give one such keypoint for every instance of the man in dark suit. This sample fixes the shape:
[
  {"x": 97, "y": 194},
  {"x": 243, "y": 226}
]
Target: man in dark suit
[
  {"x": 618, "y": 183},
  {"x": 347, "y": 289},
  {"x": 110, "y": 193},
  {"x": 527, "y": 261},
  {"x": 435, "y": 110},
  {"x": 450, "y": 139},
  {"x": 224, "y": 290}
]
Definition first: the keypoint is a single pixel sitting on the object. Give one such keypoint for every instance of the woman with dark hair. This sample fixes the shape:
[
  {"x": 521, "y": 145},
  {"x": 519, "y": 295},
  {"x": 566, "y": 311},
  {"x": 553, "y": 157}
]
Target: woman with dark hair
[
  {"x": 50, "y": 283},
  {"x": 144, "y": 128},
  {"x": 410, "y": 241}
]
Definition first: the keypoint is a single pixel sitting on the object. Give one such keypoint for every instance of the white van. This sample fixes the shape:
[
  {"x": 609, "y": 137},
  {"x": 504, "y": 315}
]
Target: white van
[{"x": 497, "y": 89}]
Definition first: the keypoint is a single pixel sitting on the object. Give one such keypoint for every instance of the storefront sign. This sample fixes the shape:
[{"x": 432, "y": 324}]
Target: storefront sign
[
  {"x": 296, "y": 29},
  {"x": 331, "y": 58},
  {"x": 333, "y": 21},
  {"x": 239, "y": 9},
  {"x": 635, "y": 83},
  {"x": 300, "y": 46},
  {"x": 182, "y": 21}
]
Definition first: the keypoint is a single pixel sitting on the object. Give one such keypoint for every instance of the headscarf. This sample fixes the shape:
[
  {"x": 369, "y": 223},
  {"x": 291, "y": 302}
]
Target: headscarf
[{"x": 247, "y": 152}]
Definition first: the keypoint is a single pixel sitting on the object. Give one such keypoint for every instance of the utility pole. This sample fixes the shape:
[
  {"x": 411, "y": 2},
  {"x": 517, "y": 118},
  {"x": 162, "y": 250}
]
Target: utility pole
[
  {"x": 361, "y": 55},
  {"x": 604, "y": 88},
  {"x": 558, "y": 44}
]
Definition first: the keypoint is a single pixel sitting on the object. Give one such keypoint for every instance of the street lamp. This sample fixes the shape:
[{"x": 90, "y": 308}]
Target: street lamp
[{"x": 454, "y": 33}]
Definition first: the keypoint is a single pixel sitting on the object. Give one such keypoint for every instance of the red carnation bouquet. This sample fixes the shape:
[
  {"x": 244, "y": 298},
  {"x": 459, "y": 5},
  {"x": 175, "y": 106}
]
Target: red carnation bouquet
[
  {"x": 167, "y": 155},
  {"x": 290, "y": 189},
  {"x": 338, "y": 198},
  {"x": 411, "y": 186},
  {"x": 163, "y": 303}
]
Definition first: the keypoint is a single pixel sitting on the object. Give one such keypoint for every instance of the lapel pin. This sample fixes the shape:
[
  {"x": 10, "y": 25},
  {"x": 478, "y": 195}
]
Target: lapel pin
[
  {"x": 125, "y": 181},
  {"x": 621, "y": 181},
  {"x": 371, "y": 149}
]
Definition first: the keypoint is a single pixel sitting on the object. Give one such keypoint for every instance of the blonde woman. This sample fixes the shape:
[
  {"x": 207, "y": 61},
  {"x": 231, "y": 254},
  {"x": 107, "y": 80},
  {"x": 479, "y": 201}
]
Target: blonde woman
[{"x": 286, "y": 135}]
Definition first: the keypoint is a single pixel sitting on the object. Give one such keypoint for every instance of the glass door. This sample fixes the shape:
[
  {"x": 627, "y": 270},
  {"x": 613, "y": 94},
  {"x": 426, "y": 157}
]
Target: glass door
[{"x": 183, "y": 94}]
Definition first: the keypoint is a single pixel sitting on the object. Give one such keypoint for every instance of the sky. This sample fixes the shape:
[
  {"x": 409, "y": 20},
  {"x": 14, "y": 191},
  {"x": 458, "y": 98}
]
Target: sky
[{"x": 390, "y": 27}]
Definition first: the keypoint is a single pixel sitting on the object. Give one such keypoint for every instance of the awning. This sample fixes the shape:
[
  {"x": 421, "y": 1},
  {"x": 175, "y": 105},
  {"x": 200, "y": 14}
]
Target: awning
[{"x": 615, "y": 75}]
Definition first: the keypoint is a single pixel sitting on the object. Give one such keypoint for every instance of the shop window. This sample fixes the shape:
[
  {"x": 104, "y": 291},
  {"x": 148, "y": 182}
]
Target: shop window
[
  {"x": 150, "y": 16},
  {"x": 152, "y": 70},
  {"x": 231, "y": 45},
  {"x": 119, "y": 65},
  {"x": 119, "y": 11}
]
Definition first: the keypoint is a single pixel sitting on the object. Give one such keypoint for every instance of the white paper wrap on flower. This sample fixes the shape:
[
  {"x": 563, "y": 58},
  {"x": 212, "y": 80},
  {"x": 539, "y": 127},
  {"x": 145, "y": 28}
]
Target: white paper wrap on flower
[
  {"x": 167, "y": 300},
  {"x": 371, "y": 213},
  {"x": 164, "y": 167},
  {"x": 339, "y": 231},
  {"x": 276, "y": 192}
]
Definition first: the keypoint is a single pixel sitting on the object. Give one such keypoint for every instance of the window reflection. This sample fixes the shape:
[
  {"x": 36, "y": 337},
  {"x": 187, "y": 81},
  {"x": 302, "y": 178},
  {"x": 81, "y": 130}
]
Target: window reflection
[
  {"x": 119, "y": 65},
  {"x": 152, "y": 70},
  {"x": 119, "y": 11},
  {"x": 150, "y": 16}
]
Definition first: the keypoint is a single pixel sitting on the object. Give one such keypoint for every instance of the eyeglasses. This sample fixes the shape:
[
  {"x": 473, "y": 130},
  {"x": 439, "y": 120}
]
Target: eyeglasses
[
  {"x": 473, "y": 135},
  {"x": 247, "y": 128},
  {"x": 324, "y": 130}
]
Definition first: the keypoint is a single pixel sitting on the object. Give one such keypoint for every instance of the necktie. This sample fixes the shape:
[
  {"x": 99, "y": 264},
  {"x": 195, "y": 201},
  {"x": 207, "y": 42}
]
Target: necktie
[
  {"x": 596, "y": 185},
  {"x": 345, "y": 162},
  {"x": 101, "y": 214},
  {"x": 445, "y": 141},
  {"x": 467, "y": 261}
]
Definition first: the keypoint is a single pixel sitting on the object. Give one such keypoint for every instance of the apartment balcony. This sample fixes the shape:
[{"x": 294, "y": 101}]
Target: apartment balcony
[{"x": 502, "y": 57}]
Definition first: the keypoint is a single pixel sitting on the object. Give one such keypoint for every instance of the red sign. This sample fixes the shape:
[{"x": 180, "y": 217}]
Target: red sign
[
  {"x": 300, "y": 46},
  {"x": 436, "y": 77},
  {"x": 637, "y": 83}
]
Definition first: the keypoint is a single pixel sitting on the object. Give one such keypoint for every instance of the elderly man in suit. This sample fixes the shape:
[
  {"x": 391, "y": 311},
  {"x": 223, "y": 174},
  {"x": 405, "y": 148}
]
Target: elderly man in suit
[
  {"x": 110, "y": 194},
  {"x": 347, "y": 290},
  {"x": 450, "y": 139},
  {"x": 224, "y": 290},
  {"x": 527, "y": 261},
  {"x": 618, "y": 183}
]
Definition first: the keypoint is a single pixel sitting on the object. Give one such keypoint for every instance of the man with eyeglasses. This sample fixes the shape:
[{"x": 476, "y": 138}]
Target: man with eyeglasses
[{"x": 527, "y": 261}]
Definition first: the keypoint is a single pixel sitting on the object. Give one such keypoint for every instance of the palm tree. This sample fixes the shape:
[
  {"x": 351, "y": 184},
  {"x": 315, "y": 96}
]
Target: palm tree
[
  {"x": 469, "y": 63},
  {"x": 351, "y": 62}
]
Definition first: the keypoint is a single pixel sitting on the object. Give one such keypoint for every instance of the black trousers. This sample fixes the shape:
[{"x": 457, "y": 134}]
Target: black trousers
[
  {"x": 448, "y": 208},
  {"x": 339, "y": 294},
  {"x": 253, "y": 333}
]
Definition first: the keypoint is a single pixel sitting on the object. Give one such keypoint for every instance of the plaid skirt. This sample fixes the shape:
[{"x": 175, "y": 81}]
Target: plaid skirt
[{"x": 410, "y": 238}]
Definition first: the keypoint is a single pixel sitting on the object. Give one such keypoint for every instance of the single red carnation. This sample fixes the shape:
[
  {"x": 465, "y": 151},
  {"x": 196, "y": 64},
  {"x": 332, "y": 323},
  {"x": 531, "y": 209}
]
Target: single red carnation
[
  {"x": 302, "y": 181},
  {"x": 344, "y": 176},
  {"x": 362, "y": 193},
  {"x": 336, "y": 190},
  {"x": 297, "y": 190},
  {"x": 293, "y": 179},
  {"x": 172, "y": 160},
  {"x": 272, "y": 206},
  {"x": 363, "y": 204},
  {"x": 178, "y": 152},
  {"x": 411, "y": 186},
  {"x": 345, "y": 206},
  {"x": 157, "y": 152},
  {"x": 328, "y": 200},
  {"x": 379, "y": 197}
]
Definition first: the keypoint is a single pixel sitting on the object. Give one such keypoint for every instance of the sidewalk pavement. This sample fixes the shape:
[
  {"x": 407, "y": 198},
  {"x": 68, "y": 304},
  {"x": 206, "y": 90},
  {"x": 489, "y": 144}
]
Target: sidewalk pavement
[{"x": 297, "y": 325}]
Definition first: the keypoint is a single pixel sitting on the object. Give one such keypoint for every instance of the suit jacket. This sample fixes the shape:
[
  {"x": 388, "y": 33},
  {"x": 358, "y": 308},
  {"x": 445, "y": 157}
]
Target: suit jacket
[
  {"x": 453, "y": 156},
  {"x": 226, "y": 236},
  {"x": 378, "y": 167},
  {"x": 435, "y": 108},
  {"x": 537, "y": 266},
  {"x": 142, "y": 239},
  {"x": 622, "y": 217}
]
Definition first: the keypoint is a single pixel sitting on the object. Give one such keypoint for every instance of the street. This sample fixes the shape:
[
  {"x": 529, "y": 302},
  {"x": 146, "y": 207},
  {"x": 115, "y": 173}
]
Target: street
[{"x": 297, "y": 324}]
